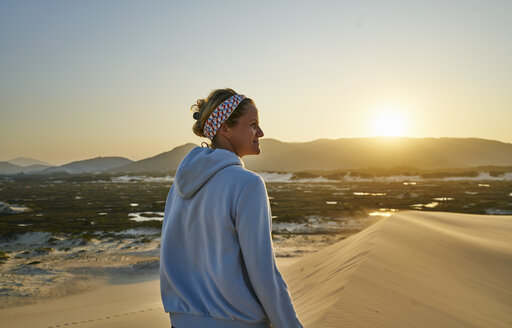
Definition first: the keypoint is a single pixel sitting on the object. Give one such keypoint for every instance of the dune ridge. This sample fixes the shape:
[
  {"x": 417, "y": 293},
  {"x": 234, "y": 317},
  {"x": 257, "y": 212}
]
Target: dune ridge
[
  {"x": 317, "y": 280},
  {"x": 413, "y": 269}
]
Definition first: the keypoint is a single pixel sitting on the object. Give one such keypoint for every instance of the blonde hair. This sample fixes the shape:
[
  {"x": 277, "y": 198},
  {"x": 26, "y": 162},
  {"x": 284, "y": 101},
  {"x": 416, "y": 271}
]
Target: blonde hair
[{"x": 205, "y": 107}]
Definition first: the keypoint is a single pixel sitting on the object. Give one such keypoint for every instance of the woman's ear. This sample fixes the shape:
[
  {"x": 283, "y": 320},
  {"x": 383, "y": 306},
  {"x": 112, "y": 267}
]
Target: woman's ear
[{"x": 224, "y": 130}]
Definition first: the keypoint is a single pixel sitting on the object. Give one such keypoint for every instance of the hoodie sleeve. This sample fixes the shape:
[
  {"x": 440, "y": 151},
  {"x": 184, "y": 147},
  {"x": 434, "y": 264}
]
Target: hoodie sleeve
[{"x": 253, "y": 224}]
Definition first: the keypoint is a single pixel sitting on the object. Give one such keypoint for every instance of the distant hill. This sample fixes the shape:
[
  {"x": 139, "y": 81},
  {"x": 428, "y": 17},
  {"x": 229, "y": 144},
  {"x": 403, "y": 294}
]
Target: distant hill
[
  {"x": 322, "y": 154},
  {"x": 352, "y": 153},
  {"x": 35, "y": 168},
  {"x": 383, "y": 152},
  {"x": 8, "y": 168},
  {"x": 98, "y": 164},
  {"x": 164, "y": 162},
  {"x": 26, "y": 161}
]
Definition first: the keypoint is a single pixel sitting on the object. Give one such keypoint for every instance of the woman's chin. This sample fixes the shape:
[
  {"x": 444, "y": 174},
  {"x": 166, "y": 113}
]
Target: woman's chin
[{"x": 255, "y": 151}]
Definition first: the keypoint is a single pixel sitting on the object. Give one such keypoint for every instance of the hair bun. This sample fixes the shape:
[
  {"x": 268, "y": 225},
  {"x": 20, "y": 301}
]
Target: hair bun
[{"x": 196, "y": 116}]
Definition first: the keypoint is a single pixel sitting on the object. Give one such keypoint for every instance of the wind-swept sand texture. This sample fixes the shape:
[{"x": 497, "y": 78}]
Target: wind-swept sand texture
[
  {"x": 413, "y": 269},
  {"x": 126, "y": 305}
]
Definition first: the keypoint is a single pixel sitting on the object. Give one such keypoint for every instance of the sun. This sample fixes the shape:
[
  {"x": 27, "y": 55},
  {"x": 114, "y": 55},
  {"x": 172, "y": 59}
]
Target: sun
[{"x": 389, "y": 123}]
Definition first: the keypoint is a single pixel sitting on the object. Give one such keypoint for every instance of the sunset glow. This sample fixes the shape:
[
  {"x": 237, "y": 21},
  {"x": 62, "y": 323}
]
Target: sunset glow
[
  {"x": 104, "y": 78},
  {"x": 389, "y": 123}
]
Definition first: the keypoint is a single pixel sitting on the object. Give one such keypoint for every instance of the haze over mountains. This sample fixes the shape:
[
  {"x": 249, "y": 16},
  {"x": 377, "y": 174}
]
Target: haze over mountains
[
  {"x": 26, "y": 161},
  {"x": 98, "y": 164},
  {"x": 22, "y": 164},
  {"x": 421, "y": 153},
  {"x": 322, "y": 154},
  {"x": 8, "y": 168}
]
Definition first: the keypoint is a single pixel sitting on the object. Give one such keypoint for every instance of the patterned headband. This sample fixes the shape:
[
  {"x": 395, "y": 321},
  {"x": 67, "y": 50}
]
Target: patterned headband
[{"x": 220, "y": 115}]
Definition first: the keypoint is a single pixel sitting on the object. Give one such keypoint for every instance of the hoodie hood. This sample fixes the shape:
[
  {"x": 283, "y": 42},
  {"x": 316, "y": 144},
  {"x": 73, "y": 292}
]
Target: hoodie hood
[{"x": 199, "y": 166}]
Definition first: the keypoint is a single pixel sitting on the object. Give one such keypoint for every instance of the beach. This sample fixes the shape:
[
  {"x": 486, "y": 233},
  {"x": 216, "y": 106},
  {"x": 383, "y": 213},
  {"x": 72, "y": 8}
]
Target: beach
[{"x": 412, "y": 269}]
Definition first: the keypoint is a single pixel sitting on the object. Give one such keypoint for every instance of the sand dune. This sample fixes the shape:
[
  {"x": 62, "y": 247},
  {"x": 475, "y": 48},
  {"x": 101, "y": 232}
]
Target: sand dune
[{"x": 413, "y": 269}]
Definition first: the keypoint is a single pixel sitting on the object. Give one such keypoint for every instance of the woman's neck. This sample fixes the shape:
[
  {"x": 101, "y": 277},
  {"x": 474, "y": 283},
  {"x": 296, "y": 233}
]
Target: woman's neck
[{"x": 223, "y": 143}]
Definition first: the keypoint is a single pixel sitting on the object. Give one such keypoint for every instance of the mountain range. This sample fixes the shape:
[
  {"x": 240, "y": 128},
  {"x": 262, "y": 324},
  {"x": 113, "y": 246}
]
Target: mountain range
[
  {"x": 380, "y": 152},
  {"x": 322, "y": 154},
  {"x": 98, "y": 164},
  {"x": 9, "y": 168}
]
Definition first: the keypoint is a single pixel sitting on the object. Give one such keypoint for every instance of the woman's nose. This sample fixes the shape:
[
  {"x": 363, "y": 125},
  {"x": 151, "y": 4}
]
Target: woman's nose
[{"x": 260, "y": 132}]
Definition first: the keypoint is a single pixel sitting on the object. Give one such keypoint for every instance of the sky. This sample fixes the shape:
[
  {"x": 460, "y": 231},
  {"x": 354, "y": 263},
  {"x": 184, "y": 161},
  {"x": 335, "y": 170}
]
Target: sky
[{"x": 81, "y": 79}]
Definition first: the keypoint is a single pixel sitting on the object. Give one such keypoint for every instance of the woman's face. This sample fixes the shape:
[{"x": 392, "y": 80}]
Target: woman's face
[{"x": 245, "y": 134}]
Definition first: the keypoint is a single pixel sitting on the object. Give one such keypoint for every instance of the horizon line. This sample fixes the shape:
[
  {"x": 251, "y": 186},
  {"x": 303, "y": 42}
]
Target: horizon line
[{"x": 265, "y": 138}]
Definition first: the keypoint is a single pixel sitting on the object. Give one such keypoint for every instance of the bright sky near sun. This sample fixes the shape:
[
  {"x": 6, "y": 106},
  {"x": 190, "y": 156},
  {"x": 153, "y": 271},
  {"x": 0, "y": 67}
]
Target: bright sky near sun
[{"x": 80, "y": 79}]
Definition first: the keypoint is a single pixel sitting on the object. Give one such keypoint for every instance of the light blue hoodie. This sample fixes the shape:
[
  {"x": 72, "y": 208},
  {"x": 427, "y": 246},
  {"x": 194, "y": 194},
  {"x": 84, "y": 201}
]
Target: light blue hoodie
[{"x": 217, "y": 266}]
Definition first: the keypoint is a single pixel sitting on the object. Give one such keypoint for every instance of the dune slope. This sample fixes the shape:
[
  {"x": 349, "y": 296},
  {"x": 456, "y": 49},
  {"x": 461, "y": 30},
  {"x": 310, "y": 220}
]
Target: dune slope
[{"x": 413, "y": 269}]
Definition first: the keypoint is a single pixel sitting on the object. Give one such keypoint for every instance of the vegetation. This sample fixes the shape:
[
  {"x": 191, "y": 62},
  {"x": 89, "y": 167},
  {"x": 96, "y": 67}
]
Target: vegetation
[
  {"x": 3, "y": 257},
  {"x": 372, "y": 172},
  {"x": 81, "y": 205},
  {"x": 78, "y": 207}
]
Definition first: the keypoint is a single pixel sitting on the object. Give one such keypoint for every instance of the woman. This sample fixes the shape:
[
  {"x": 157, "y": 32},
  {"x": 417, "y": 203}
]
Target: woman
[{"x": 217, "y": 266}]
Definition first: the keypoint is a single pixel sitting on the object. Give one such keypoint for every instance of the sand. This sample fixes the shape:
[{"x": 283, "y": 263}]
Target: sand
[
  {"x": 127, "y": 305},
  {"x": 123, "y": 305},
  {"x": 412, "y": 269}
]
